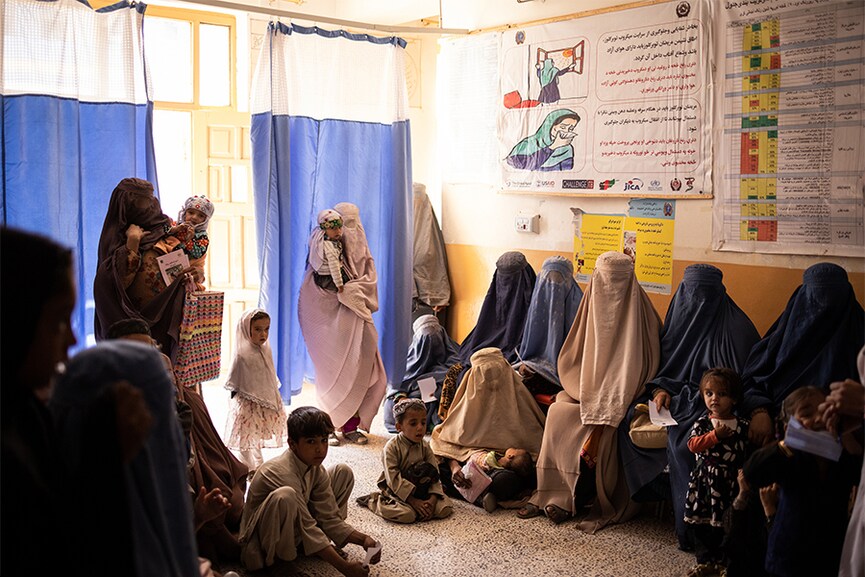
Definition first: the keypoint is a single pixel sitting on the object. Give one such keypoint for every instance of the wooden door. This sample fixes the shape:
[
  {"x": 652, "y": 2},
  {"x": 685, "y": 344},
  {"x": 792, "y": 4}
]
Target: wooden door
[{"x": 223, "y": 170}]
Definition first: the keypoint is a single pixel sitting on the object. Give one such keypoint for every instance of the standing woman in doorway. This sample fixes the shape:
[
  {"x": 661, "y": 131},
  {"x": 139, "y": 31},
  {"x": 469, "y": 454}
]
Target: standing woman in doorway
[{"x": 340, "y": 336}]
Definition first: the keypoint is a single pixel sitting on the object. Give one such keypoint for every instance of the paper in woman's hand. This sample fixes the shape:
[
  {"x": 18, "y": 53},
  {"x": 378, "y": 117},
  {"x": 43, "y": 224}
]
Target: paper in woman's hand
[
  {"x": 171, "y": 265},
  {"x": 821, "y": 443},
  {"x": 662, "y": 417},
  {"x": 427, "y": 388}
]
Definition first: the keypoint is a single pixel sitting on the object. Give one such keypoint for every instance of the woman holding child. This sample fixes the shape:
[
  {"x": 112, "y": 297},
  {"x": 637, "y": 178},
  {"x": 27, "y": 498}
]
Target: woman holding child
[
  {"x": 128, "y": 281},
  {"x": 336, "y": 322}
]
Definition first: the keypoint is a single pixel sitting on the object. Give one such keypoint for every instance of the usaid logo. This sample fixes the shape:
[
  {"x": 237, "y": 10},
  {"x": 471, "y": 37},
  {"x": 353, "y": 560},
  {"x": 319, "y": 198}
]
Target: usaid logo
[
  {"x": 634, "y": 184},
  {"x": 655, "y": 186}
]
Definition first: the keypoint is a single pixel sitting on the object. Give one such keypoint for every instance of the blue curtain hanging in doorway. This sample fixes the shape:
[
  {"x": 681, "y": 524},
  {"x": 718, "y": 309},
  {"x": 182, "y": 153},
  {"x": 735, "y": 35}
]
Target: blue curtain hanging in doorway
[
  {"x": 76, "y": 120},
  {"x": 330, "y": 125}
]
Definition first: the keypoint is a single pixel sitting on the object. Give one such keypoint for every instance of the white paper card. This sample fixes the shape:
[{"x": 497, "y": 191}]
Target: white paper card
[
  {"x": 172, "y": 264},
  {"x": 820, "y": 443},
  {"x": 480, "y": 481},
  {"x": 427, "y": 388},
  {"x": 662, "y": 417},
  {"x": 371, "y": 552}
]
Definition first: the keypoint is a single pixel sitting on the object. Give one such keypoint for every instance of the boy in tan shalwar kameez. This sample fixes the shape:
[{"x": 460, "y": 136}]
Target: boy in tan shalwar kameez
[
  {"x": 400, "y": 498},
  {"x": 294, "y": 506}
]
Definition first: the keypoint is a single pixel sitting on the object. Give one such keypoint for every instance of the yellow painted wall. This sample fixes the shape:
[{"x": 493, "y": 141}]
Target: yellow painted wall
[{"x": 761, "y": 291}]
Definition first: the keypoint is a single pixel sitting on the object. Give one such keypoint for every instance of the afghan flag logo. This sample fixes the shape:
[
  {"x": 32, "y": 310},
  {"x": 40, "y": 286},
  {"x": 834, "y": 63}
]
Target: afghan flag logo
[{"x": 606, "y": 184}]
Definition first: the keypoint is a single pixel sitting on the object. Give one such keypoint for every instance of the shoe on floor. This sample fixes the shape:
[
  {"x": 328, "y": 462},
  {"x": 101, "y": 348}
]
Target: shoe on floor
[
  {"x": 490, "y": 503},
  {"x": 363, "y": 501},
  {"x": 355, "y": 437},
  {"x": 333, "y": 440},
  {"x": 556, "y": 514}
]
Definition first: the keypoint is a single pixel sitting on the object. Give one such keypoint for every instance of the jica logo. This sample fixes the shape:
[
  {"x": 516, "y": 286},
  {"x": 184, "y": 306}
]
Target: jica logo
[{"x": 634, "y": 184}]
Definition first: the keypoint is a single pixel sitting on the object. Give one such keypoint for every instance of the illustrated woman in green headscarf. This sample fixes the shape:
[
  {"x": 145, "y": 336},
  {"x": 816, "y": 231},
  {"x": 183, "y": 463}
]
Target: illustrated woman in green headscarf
[{"x": 550, "y": 147}]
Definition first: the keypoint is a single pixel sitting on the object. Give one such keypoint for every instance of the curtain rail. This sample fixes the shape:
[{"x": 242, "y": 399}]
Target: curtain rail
[{"x": 313, "y": 18}]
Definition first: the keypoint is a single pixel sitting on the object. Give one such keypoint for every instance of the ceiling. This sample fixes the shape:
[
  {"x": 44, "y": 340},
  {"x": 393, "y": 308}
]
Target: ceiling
[{"x": 458, "y": 14}]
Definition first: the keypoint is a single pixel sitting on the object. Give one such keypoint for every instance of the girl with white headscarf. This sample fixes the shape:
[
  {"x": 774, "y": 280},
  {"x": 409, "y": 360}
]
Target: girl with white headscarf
[{"x": 256, "y": 418}]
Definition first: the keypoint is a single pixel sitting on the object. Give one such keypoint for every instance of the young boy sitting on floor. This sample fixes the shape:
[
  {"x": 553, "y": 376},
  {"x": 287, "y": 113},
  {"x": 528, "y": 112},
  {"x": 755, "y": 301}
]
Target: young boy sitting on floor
[
  {"x": 409, "y": 486},
  {"x": 296, "y": 506}
]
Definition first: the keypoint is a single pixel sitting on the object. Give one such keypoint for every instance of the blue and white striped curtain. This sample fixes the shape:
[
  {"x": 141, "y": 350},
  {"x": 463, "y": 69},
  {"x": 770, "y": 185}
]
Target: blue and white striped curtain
[
  {"x": 76, "y": 120},
  {"x": 329, "y": 125}
]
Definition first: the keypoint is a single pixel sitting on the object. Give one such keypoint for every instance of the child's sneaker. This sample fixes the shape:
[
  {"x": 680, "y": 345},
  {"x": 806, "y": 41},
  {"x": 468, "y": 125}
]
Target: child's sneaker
[{"x": 490, "y": 503}]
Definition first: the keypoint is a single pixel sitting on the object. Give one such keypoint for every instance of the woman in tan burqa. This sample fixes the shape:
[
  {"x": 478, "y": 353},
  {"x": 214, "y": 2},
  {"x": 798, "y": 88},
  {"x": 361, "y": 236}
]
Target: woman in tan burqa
[{"x": 612, "y": 349}]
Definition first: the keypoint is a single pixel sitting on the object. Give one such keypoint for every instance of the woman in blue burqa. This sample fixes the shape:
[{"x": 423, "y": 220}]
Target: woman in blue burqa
[
  {"x": 703, "y": 329},
  {"x": 500, "y": 322},
  {"x": 430, "y": 354},
  {"x": 554, "y": 305},
  {"x": 549, "y": 148},
  {"x": 814, "y": 342}
]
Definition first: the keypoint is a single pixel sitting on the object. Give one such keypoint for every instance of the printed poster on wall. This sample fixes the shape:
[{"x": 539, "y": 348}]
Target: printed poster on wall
[
  {"x": 791, "y": 94},
  {"x": 645, "y": 234},
  {"x": 612, "y": 103}
]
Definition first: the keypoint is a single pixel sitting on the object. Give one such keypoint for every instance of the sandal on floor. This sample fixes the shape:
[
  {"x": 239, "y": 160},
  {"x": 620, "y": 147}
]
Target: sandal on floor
[
  {"x": 556, "y": 514},
  {"x": 356, "y": 437},
  {"x": 333, "y": 440},
  {"x": 529, "y": 511}
]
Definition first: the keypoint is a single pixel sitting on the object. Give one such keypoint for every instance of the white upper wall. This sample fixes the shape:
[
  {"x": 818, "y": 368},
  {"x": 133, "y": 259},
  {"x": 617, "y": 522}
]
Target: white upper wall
[{"x": 460, "y": 206}]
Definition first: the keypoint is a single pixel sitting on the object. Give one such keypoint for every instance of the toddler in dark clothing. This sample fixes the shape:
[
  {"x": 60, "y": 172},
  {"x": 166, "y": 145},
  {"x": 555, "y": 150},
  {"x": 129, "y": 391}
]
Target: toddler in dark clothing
[
  {"x": 719, "y": 441},
  {"x": 808, "y": 531}
]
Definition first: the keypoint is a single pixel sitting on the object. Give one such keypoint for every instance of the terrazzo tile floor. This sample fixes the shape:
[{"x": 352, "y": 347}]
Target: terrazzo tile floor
[{"x": 473, "y": 542}]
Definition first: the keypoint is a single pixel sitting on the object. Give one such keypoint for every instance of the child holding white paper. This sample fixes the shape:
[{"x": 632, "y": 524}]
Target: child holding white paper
[
  {"x": 409, "y": 487},
  {"x": 719, "y": 441},
  {"x": 811, "y": 519}
]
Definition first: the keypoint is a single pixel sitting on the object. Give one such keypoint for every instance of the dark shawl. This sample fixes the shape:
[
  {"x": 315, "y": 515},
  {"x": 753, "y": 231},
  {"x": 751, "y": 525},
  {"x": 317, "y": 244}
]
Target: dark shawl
[
  {"x": 814, "y": 342},
  {"x": 503, "y": 313},
  {"x": 129, "y": 205},
  {"x": 156, "y": 505},
  {"x": 703, "y": 329},
  {"x": 430, "y": 354}
]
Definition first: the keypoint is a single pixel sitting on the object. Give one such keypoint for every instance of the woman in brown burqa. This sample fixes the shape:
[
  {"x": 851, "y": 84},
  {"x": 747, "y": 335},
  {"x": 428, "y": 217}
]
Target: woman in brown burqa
[{"x": 128, "y": 282}]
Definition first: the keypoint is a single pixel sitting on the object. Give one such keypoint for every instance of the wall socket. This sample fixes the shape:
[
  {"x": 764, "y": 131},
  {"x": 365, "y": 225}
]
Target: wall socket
[{"x": 528, "y": 223}]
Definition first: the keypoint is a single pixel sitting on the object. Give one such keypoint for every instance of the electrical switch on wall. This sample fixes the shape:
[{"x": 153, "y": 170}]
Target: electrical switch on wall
[{"x": 528, "y": 223}]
